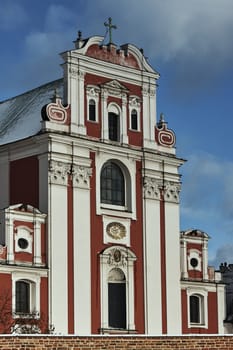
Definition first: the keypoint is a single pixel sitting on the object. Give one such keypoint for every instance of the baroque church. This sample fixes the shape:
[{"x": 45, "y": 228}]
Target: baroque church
[{"x": 90, "y": 233}]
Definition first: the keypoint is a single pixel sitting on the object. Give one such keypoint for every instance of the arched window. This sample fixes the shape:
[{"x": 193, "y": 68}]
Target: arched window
[
  {"x": 112, "y": 184},
  {"x": 134, "y": 120},
  {"x": 196, "y": 309},
  {"x": 92, "y": 110},
  {"x": 113, "y": 127},
  {"x": 116, "y": 299},
  {"x": 22, "y": 300}
]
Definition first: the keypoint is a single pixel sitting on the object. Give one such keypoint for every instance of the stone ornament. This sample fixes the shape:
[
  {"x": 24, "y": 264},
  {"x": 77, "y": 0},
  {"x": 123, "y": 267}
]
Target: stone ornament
[
  {"x": 171, "y": 192},
  {"x": 58, "y": 172},
  {"x": 56, "y": 112},
  {"x": 152, "y": 188},
  {"x": 81, "y": 176},
  {"x": 116, "y": 230},
  {"x": 163, "y": 135},
  {"x": 117, "y": 258}
]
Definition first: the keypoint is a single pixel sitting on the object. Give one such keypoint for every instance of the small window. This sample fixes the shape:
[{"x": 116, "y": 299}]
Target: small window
[
  {"x": 22, "y": 297},
  {"x": 112, "y": 184},
  {"x": 196, "y": 309},
  {"x": 134, "y": 120},
  {"x": 113, "y": 127},
  {"x": 92, "y": 110}
]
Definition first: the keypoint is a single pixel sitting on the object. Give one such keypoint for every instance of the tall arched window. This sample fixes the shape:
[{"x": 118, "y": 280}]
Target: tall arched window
[
  {"x": 112, "y": 184},
  {"x": 116, "y": 299},
  {"x": 22, "y": 300},
  {"x": 113, "y": 126},
  {"x": 92, "y": 110}
]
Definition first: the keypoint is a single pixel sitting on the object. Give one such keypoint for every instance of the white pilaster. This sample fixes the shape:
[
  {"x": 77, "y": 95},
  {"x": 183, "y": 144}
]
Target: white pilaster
[
  {"x": 124, "y": 120},
  {"x": 148, "y": 118},
  {"x": 57, "y": 231},
  {"x": 205, "y": 260},
  {"x": 183, "y": 249},
  {"x": 104, "y": 111},
  {"x": 37, "y": 242},
  {"x": 152, "y": 257},
  {"x": 172, "y": 237},
  {"x": 82, "y": 245}
]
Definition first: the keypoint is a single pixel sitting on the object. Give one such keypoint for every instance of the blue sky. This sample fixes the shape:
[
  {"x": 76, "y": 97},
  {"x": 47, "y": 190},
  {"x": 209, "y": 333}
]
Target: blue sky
[{"x": 189, "y": 43}]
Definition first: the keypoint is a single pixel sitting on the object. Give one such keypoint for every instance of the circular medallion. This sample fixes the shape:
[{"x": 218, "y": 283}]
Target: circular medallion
[{"x": 116, "y": 230}]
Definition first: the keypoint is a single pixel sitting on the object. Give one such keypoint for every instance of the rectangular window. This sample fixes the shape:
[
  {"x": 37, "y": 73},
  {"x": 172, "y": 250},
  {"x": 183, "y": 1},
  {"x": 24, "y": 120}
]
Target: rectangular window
[
  {"x": 134, "y": 120},
  {"x": 22, "y": 297},
  {"x": 113, "y": 126},
  {"x": 117, "y": 305}
]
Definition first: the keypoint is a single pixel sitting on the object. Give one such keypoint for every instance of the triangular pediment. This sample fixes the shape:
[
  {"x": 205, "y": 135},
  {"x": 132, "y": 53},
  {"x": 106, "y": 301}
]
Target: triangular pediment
[{"x": 115, "y": 85}]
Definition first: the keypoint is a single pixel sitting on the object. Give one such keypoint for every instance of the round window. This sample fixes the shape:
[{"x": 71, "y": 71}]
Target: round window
[
  {"x": 22, "y": 243},
  {"x": 194, "y": 262}
]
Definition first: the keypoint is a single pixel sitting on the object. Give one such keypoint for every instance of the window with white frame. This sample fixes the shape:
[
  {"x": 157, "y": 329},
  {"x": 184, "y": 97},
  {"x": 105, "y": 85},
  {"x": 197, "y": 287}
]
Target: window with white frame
[
  {"x": 112, "y": 184},
  {"x": 92, "y": 103},
  {"x": 92, "y": 110},
  {"x": 24, "y": 297},
  {"x": 197, "y": 308},
  {"x": 25, "y": 294},
  {"x": 115, "y": 186},
  {"x": 117, "y": 289},
  {"x": 134, "y": 120},
  {"x": 116, "y": 299},
  {"x": 114, "y": 122},
  {"x": 113, "y": 127},
  {"x": 134, "y": 113}
]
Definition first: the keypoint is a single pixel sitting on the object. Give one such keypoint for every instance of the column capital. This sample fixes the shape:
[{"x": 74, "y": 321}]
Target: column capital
[
  {"x": 81, "y": 176},
  {"x": 58, "y": 172}
]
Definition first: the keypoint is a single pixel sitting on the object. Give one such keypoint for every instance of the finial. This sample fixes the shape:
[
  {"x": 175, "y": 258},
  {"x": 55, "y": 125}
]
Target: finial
[
  {"x": 79, "y": 35},
  {"x": 55, "y": 96},
  {"x": 161, "y": 119},
  {"x": 110, "y": 26}
]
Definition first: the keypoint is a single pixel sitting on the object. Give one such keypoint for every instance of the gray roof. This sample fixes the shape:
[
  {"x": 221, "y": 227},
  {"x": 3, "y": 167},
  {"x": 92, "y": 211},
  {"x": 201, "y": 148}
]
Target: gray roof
[{"x": 20, "y": 116}]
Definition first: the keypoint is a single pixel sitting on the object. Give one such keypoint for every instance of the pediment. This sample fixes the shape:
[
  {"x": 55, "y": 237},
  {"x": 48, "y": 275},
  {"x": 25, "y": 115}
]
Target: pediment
[{"x": 115, "y": 85}]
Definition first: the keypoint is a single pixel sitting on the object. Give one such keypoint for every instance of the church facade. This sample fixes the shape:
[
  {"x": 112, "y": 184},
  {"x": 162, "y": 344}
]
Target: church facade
[{"x": 90, "y": 183}]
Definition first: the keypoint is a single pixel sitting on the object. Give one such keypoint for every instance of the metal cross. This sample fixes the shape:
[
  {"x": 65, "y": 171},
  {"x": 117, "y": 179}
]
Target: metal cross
[{"x": 110, "y": 27}]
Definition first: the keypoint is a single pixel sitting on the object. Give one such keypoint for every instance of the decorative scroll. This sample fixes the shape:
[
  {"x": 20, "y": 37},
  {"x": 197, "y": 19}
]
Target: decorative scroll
[
  {"x": 152, "y": 188},
  {"x": 56, "y": 112},
  {"x": 163, "y": 135},
  {"x": 81, "y": 176},
  {"x": 171, "y": 192},
  {"x": 58, "y": 172}
]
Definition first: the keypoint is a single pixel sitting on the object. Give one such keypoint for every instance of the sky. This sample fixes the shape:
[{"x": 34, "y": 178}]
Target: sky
[{"x": 189, "y": 42}]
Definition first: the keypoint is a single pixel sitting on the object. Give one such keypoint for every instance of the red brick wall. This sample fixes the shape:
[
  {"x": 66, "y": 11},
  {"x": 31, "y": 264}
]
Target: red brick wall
[{"x": 116, "y": 343}]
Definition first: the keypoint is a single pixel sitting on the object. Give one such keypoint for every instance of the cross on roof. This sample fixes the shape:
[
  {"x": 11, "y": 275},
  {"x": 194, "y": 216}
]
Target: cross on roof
[{"x": 110, "y": 26}]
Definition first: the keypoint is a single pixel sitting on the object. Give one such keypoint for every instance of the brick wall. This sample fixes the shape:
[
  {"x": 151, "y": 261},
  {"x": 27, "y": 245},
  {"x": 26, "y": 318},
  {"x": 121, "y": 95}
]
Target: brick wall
[{"x": 116, "y": 343}]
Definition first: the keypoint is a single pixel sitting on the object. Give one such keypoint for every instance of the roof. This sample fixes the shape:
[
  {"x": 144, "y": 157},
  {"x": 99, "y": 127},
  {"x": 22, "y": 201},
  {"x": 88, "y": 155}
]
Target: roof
[{"x": 20, "y": 116}]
